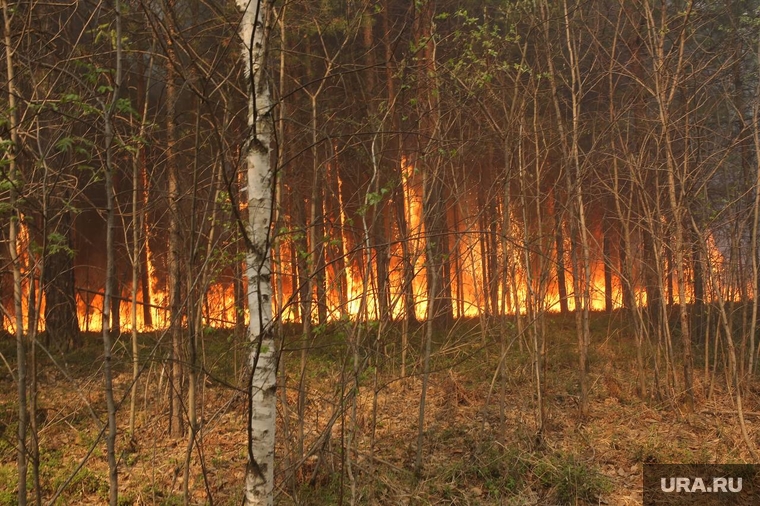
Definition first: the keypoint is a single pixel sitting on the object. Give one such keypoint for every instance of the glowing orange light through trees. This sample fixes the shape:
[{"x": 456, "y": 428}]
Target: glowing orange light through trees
[{"x": 349, "y": 281}]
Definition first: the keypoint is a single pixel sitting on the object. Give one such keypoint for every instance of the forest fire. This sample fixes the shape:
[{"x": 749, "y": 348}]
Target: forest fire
[
  {"x": 465, "y": 219},
  {"x": 352, "y": 287}
]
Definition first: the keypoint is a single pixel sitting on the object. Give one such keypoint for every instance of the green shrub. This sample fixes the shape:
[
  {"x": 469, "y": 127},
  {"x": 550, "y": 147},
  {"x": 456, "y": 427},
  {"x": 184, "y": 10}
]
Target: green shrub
[
  {"x": 8, "y": 484},
  {"x": 570, "y": 479}
]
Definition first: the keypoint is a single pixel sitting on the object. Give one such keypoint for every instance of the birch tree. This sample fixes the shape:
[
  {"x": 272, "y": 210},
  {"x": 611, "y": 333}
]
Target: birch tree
[{"x": 259, "y": 480}]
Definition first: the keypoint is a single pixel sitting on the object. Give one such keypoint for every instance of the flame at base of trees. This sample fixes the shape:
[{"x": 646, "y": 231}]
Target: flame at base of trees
[{"x": 347, "y": 277}]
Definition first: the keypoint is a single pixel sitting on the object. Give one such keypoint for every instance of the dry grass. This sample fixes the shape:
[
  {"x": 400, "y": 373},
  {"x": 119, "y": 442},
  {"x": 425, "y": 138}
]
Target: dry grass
[{"x": 470, "y": 456}]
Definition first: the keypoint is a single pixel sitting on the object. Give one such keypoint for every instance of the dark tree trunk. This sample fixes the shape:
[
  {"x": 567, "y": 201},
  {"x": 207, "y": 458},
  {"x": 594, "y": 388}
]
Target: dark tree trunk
[
  {"x": 559, "y": 241},
  {"x": 301, "y": 255},
  {"x": 654, "y": 297},
  {"x": 607, "y": 252},
  {"x": 295, "y": 279},
  {"x": 434, "y": 202},
  {"x": 176, "y": 425},
  {"x": 334, "y": 246},
  {"x": 669, "y": 278},
  {"x": 698, "y": 323},
  {"x": 240, "y": 302},
  {"x": 116, "y": 307},
  {"x": 493, "y": 241},
  {"x": 319, "y": 258},
  {"x": 382, "y": 251},
  {"x": 144, "y": 273},
  {"x": 380, "y": 233},
  {"x": 406, "y": 263},
  {"x": 438, "y": 243},
  {"x": 628, "y": 298},
  {"x": 60, "y": 298}
]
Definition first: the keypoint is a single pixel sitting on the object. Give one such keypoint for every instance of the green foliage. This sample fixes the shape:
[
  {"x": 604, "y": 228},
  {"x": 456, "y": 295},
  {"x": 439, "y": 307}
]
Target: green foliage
[
  {"x": 91, "y": 72},
  {"x": 128, "y": 499},
  {"x": 58, "y": 243},
  {"x": 371, "y": 200},
  {"x": 326, "y": 491},
  {"x": 161, "y": 495},
  {"x": 374, "y": 198},
  {"x": 483, "y": 49},
  {"x": 658, "y": 448},
  {"x": 9, "y": 481},
  {"x": 5, "y": 144},
  {"x": 485, "y": 468},
  {"x": 64, "y": 144},
  {"x": 571, "y": 479},
  {"x": 124, "y": 105},
  {"x": 86, "y": 482},
  {"x": 7, "y": 498},
  {"x": 107, "y": 32},
  {"x": 77, "y": 145},
  {"x": 500, "y": 469}
]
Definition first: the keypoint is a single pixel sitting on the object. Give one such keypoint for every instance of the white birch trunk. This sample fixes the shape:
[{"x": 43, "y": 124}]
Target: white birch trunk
[{"x": 259, "y": 481}]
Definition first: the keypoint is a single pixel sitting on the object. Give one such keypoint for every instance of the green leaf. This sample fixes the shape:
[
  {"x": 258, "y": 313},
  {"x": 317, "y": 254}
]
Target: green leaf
[
  {"x": 373, "y": 198},
  {"x": 124, "y": 105},
  {"x": 64, "y": 144}
]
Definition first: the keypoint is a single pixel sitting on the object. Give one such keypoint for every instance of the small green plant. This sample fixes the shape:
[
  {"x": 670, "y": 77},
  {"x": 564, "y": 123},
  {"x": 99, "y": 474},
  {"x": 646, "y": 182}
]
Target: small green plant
[
  {"x": 8, "y": 484},
  {"x": 218, "y": 459},
  {"x": 7, "y": 498},
  {"x": 656, "y": 450},
  {"x": 500, "y": 469},
  {"x": 570, "y": 479},
  {"x": 494, "y": 470},
  {"x": 325, "y": 490},
  {"x": 127, "y": 499}
]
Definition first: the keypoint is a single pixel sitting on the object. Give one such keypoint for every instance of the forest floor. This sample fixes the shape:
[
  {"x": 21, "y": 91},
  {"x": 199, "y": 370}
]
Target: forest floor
[{"x": 481, "y": 444}]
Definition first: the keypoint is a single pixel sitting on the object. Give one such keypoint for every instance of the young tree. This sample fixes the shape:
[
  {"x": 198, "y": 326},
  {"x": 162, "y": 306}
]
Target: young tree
[
  {"x": 176, "y": 310},
  {"x": 110, "y": 168},
  {"x": 16, "y": 266}
]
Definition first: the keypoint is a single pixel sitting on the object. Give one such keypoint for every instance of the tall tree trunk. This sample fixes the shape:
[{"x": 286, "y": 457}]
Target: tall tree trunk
[
  {"x": 569, "y": 138},
  {"x": 667, "y": 81},
  {"x": 60, "y": 300},
  {"x": 116, "y": 303},
  {"x": 259, "y": 481},
  {"x": 651, "y": 283},
  {"x": 145, "y": 280},
  {"x": 113, "y": 483},
  {"x": 139, "y": 251},
  {"x": 13, "y": 243},
  {"x": 176, "y": 426},
  {"x": 607, "y": 253},
  {"x": 34, "y": 422},
  {"x": 434, "y": 201},
  {"x": 493, "y": 256},
  {"x": 379, "y": 226},
  {"x": 559, "y": 245},
  {"x": 698, "y": 316},
  {"x": 755, "y": 228},
  {"x": 533, "y": 304},
  {"x": 398, "y": 196}
]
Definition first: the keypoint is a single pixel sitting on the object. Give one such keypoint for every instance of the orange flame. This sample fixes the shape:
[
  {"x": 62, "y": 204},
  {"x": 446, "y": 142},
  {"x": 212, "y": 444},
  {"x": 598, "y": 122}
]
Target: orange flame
[{"x": 352, "y": 287}]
